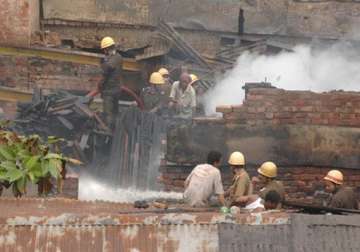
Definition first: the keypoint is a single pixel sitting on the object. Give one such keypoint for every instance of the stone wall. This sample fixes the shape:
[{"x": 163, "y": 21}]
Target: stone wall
[{"x": 18, "y": 20}]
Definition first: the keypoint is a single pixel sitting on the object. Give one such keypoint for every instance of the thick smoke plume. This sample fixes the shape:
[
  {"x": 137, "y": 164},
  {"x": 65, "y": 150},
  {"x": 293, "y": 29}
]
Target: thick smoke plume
[{"x": 306, "y": 68}]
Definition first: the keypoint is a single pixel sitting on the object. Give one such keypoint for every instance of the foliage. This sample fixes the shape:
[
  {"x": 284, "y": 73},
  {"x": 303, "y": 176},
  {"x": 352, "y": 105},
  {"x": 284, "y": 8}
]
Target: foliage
[{"x": 28, "y": 159}]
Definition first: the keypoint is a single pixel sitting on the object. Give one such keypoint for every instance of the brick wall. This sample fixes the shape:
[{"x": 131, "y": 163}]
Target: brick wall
[
  {"x": 18, "y": 20},
  {"x": 25, "y": 72},
  {"x": 274, "y": 109},
  {"x": 299, "y": 182},
  {"x": 277, "y": 106}
]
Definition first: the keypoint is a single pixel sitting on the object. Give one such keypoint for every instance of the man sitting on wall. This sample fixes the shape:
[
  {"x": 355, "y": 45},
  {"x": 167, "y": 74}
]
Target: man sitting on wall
[
  {"x": 256, "y": 204},
  {"x": 205, "y": 181},
  {"x": 342, "y": 197}
]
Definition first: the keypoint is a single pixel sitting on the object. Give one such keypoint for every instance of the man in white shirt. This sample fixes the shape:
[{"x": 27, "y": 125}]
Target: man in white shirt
[
  {"x": 183, "y": 96},
  {"x": 205, "y": 181}
]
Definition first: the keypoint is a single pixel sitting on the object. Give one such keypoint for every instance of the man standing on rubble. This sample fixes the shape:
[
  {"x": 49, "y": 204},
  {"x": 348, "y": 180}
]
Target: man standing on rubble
[
  {"x": 205, "y": 181},
  {"x": 241, "y": 185},
  {"x": 111, "y": 80},
  {"x": 342, "y": 197},
  {"x": 183, "y": 97}
]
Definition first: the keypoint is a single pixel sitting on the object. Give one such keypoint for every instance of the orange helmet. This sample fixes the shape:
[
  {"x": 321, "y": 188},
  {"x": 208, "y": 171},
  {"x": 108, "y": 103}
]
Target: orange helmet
[{"x": 335, "y": 176}]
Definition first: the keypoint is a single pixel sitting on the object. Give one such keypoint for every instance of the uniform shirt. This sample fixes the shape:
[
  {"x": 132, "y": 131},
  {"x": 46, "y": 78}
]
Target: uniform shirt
[
  {"x": 273, "y": 185},
  {"x": 345, "y": 197},
  {"x": 112, "y": 73},
  {"x": 203, "y": 182},
  {"x": 241, "y": 186},
  {"x": 151, "y": 98},
  {"x": 186, "y": 100}
]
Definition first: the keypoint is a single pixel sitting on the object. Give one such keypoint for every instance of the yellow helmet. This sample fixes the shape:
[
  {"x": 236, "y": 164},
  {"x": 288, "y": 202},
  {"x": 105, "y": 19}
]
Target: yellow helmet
[
  {"x": 194, "y": 78},
  {"x": 335, "y": 176},
  {"x": 107, "y": 42},
  {"x": 237, "y": 158},
  {"x": 156, "y": 79},
  {"x": 268, "y": 169},
  {"x": 163, "y": 71}
]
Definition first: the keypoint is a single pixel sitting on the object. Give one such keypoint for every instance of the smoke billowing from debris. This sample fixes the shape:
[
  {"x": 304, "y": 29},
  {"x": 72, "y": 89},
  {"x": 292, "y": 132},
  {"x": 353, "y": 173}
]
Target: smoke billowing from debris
[{"x": 306, "y": 68}]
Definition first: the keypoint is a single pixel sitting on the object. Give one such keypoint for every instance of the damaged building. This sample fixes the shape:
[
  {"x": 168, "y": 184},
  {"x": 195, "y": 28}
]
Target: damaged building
[{"x": 49, "y": 70}]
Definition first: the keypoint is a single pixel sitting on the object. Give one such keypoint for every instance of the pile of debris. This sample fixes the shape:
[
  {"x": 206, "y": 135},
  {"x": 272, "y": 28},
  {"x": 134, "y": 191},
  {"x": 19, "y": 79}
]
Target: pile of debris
[
  {"x": 128, "y": 156},
  {"x": 64, "y": 115}
]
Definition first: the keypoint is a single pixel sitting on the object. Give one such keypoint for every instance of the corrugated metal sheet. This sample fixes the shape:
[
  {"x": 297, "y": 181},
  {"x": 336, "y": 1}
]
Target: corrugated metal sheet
[
  {"x": 302, "y": 233},
  {"x": 70, "y": 225}
]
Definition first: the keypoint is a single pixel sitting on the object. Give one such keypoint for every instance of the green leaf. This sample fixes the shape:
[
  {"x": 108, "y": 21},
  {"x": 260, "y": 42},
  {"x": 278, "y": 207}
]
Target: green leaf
[
  {"x": 14, "y": 174},
  {"x": 3, "y": 174},
  {"x": 32, "y": 162},
  {"x": 44, "y": 167},
  {"x": 8, "y": 165},
  {"x": 21, "y": 184},
  {"x": 6, "y": 152},
  {"x": 23, "y": 154},
  {"x": 53, "y": 139},
  {"x": 53, "y": 156},
  {"x": 54, "y": 167}
]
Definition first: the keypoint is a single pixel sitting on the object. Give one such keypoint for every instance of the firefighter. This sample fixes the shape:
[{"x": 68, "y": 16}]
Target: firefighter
[
  {"x": 165, "y": 74},
  {"x": 200, "y": 91},
  {"x": 342, "y": 197},
  {"x": 183, "y": 97},
  {"x": 109, "y": 86},
  {"x": 267, "y": 175},
  {"x": 154, "y": 96},
  {"x": 241, "y": 184}
]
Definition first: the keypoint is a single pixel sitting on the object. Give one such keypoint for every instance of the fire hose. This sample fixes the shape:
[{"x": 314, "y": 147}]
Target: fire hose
[{"x": 125, "y": 89}]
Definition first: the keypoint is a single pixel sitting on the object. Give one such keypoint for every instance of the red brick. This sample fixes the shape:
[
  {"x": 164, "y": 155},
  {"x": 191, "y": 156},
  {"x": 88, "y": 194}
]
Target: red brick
[{"x": 224, "y": 109}]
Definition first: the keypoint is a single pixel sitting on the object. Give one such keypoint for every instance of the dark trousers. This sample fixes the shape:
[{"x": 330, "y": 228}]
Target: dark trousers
[{"x": 110, "y": 108}]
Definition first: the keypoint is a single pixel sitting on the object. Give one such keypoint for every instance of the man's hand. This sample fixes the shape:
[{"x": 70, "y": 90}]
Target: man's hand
[{"x": 221, "y": 199}]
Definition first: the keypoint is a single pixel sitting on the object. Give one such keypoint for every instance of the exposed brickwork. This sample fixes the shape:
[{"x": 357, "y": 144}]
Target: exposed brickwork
[
  {"x": 24, "y": 73},
  {"x": 18, "y": 20},
  {"x": 274, "y": 108},
  {"x": 278, "y": 106},
  {"x": 299, "y": 182}
]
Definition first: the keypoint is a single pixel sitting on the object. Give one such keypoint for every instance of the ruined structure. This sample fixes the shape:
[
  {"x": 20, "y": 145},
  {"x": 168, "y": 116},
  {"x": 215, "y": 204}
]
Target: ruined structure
[
  {"x": 52, "y": 44},
  {"x": 305, "y": 133}
]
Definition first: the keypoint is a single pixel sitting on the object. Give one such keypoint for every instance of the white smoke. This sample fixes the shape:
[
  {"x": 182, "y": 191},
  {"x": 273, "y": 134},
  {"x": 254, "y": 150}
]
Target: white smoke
[
  {"x": 306, "y": 68},
  {"x": 90, "y": 190}
]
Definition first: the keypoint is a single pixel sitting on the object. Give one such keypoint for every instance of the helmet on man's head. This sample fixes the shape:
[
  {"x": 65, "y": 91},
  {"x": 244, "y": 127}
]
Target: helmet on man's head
[
  {"x": 107, "y": 42},
  {"x": 156, "y": 78},
  {"x": 194, "y": 78},
  {"x": 237, "y": 158},
  {"x": 268, "y": 169},
  {"x": 335, "y": 176},
  {"x": 163, "y": 71}
]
